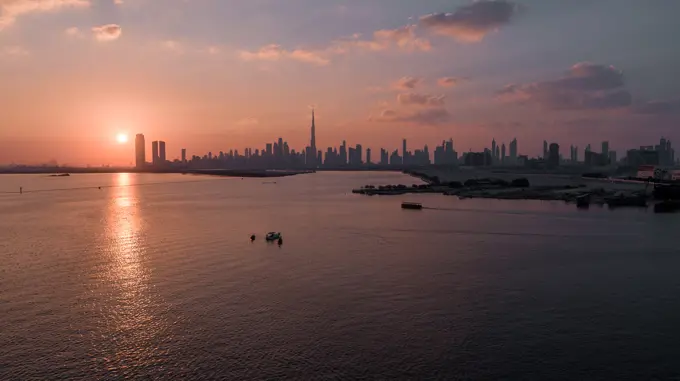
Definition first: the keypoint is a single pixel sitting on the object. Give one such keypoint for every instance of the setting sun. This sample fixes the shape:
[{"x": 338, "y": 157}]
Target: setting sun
[{"x": 121, "y": 138}]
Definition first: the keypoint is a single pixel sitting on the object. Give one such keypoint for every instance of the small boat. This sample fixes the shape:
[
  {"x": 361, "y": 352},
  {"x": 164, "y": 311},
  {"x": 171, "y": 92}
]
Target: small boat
[
  {"x": 583, "y": 201},
  {"x": 272, "y": 236},
  {"x": 411, "y": 205},
  {"x": 668, "y": 206}
]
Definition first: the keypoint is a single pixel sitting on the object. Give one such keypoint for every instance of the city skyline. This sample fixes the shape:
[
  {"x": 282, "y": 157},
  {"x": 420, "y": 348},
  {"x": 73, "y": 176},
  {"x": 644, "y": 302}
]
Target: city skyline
[
  {"x": 280, "y": 155},
  {"x": 212, "y": 74}
]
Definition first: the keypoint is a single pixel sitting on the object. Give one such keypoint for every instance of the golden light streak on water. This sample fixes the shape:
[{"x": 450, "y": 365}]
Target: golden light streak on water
[{"x": 133, "y": 322}]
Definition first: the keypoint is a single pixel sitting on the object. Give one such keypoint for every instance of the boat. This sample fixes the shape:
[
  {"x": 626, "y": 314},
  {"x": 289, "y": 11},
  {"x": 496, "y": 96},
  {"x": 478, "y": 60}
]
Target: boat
[
  {"x": 667, "y": 206},
  {"x": 411, "y": 205},
  {"x": 272, "y": 236},
  {"x": 583, "y": 201}
]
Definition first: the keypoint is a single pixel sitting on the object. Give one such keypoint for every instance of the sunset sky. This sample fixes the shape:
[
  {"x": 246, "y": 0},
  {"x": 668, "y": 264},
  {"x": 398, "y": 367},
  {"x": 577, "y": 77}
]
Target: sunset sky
[{"x": 211, "y": 75}]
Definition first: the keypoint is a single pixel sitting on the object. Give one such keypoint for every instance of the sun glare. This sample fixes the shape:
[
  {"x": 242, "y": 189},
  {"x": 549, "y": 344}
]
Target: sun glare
[{"x": 121, "y": 138}]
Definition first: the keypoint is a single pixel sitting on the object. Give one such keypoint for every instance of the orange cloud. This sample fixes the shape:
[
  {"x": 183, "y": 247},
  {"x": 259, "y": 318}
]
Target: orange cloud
[
  {"x": 420, "y": 99},
  {"x": 448, "y": 81},
  {"x": 108, "y": 32},
  {"x": 275, "y": 52},
  {"x": 404, "y": 83},
  {"x": 404, "y": 39},
  {"x": 10, "y": 10}
]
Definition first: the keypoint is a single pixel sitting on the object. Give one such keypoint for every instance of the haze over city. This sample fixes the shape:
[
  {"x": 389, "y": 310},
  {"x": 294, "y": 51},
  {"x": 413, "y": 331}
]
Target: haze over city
[{"x": 217, "y": 75}]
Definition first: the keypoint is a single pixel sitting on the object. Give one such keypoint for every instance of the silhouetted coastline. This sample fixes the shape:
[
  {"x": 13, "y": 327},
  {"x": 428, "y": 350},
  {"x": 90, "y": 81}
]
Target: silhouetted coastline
[{"x": 62, "y": 171}]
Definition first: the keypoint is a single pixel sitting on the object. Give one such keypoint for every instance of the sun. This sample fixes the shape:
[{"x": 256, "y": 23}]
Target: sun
[{"x": 121, "y": 138}]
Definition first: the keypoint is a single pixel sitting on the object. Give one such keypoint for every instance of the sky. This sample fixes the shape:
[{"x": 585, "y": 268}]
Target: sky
[{"x": 211, "y": 75}]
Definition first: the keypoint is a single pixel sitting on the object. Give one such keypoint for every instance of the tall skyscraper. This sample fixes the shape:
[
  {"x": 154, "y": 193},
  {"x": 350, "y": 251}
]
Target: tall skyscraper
[
  {"x": 343, "y": 153},
  {"x": 545, "y": 150},
  {"x": 513, "y": 151},
  {"x": 313, "y": 141},
  {"x": 503, "y": 154},
  {"x": 359, "y": 154},
  {"x": 576, "y": 154},
  {"x": 184, "y": 155},
  {"x": 368, "y": 156},
  {"x": 154, "y": 153},
  {"x": 493, "y": 150},
  {"x": 161, "y": 151},
  {"x": 554, "y": 155},
  {"x": 605, "y": 149},
  {"x": 140, "y": 151}
]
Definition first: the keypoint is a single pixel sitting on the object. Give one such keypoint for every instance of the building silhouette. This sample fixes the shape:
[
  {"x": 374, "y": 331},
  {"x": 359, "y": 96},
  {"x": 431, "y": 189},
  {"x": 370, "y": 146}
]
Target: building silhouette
[
  {"x": 513, "y": 151},
  {"x": 154, "y": 153},
  {"x": 161, "y": 152},
  {"x": 313, "y": 153},
  {"x": 554, "y": 155},
  {"x": 140, "y": 151}
]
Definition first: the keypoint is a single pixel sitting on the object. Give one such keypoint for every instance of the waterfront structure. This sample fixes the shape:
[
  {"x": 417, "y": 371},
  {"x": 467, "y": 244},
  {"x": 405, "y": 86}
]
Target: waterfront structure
[
  {"x": 184, "y": 155},
  {"x": 140, "y": 151}
]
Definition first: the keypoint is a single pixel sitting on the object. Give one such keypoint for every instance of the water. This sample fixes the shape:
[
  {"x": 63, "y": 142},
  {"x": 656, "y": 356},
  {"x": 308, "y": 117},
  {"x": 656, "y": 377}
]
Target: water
[{"x": 154, "y": 277}]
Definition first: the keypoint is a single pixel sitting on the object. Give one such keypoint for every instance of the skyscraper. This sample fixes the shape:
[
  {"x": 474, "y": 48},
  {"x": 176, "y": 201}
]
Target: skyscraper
[
  {"x": 312, "y": 144},
  {"x": 404, "y": 159},
  {"x": 493, "y": 150},
  {"x": 605, "y": 149},
  {"x": 545, "y": 150},
  {"x": 503, "y": 154},
  {"x": 140, "y": 151},
  {"x": 513, "y": 151},
  {"x": 554, "y": 155},
  {"x": 184, "y": 155},
  {"x": 161, "y": 151},
  {"x": 343, "y": 153},
  {"x": 368, "y": 156},
  {"x": 154, "y": 153}
]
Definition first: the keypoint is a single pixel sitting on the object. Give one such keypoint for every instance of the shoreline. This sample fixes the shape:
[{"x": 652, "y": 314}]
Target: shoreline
[
  {"x": 578, "y": 190},
  {"x": 66, "y": 172}
]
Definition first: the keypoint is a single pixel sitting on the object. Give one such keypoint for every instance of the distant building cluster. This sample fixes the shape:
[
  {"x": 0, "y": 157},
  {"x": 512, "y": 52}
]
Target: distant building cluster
[{"x": 279, "y": 155}]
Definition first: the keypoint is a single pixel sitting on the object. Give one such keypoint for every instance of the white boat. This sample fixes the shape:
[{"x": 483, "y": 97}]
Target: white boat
[{"x": 272, "y": 236}]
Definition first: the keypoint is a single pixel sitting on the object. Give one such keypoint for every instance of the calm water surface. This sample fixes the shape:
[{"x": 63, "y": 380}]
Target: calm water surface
[{"x": 154, "y": 277}]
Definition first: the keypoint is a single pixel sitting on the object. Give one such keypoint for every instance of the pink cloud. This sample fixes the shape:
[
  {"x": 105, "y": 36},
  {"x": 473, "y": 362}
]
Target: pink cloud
[
  {"x": 12, "y": 9},
  {"x": 109, "y": 32},
  {"x": 471, "y": 23}
]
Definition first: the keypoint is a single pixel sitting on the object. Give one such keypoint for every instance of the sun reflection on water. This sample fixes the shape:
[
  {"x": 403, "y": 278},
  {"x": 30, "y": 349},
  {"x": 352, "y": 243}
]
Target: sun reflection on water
[{"x": 131, "y": 322}]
